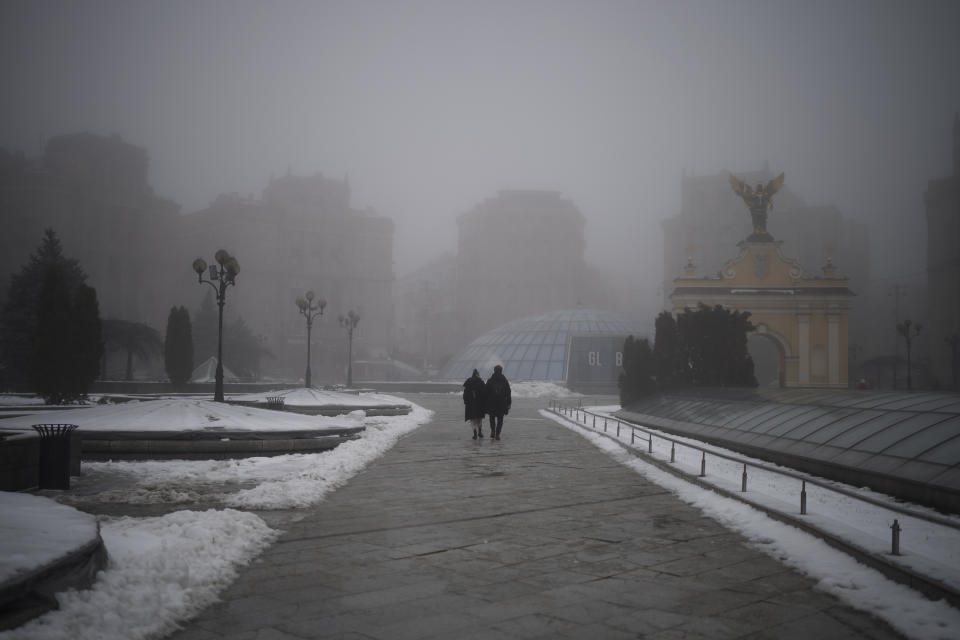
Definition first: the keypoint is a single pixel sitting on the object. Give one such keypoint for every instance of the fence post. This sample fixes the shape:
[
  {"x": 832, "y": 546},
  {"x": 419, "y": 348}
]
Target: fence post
[
  {"x": 673, "y": 451},
  {"x": 895, "y": 542},
  {"x": 594, "y": 422},
  {"x": 743, "y": 482},
  {"x": 618, "y": 428},
  {"x": 703, "y": 465},
  {"x": 803, "y": 499}
]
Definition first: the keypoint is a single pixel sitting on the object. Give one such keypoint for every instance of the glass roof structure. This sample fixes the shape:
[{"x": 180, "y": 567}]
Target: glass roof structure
[
  {"x": 914, "y": 437},
  {"x": 535, "y": 347}
]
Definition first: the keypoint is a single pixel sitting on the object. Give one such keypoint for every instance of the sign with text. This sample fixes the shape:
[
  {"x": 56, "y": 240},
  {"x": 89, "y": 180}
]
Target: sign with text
[{"x": 595, "y": 361}]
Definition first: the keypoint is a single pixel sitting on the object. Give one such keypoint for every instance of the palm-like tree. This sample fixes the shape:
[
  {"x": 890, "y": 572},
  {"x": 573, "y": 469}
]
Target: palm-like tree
[{"x": 134, "y": 338}]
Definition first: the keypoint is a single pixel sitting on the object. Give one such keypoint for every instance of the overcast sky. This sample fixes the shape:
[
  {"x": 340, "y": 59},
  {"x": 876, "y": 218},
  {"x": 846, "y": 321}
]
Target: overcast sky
[{"x": 431, "y": 107}]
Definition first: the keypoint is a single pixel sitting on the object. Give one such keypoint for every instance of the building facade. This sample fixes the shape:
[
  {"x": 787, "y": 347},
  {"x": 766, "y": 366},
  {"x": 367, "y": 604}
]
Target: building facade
[
  {"x": 942, "y": 201},
  {"x": 93, "y": 192},
  {"x": 302, "y": 235},
  {"x": 518, "y": 254}
]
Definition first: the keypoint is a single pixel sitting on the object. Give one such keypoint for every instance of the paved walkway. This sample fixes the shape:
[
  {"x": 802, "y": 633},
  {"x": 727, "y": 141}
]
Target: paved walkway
[{"x": 538, "y": 535}]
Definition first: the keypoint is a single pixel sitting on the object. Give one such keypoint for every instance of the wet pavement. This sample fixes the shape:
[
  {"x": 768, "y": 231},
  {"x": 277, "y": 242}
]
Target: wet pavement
[{"x": 538, "y": 535}]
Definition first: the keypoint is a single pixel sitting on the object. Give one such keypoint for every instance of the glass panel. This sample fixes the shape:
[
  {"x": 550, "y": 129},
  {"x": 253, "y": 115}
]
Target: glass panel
[
  {"x": 903, "y": 429},
  {"x": 523, "y": 372},
  {"x": 556, "y": 371},
  {"x": 785, "y": 416},
  {"x": 803, "y": 429},
  {"x": 829, "y": 431},
  {"x": 926, "y": 439},
  {"x": 946, "y": 453},
  {"x": 852, "y": 436},
  {"x": 812, "y": 413},
  {"x": 763, "y": 417},
  {"x": 539, "y": 371},
  {"x": 559, "y": 352}
]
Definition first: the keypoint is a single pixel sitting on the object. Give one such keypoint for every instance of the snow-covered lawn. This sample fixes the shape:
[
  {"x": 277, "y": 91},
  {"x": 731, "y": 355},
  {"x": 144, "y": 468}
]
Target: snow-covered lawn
[
  {"x": 183, "y": 414},
  {"x": 839, "y": 574},
  {"x": 301, "y": 396},
  {"x": 165, "y": 569}
]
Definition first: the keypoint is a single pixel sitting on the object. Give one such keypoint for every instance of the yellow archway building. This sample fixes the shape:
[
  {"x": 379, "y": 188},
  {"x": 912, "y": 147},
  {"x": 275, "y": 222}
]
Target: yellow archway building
[{"x": 806, "y": 317}]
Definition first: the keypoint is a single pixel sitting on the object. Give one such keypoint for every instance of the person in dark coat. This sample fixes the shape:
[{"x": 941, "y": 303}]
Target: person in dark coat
[
  {"x": 498, "y": 400},
  {"x": 474, "y": 402}
]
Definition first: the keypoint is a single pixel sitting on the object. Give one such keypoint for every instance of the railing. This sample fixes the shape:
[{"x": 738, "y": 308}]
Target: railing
[{"x": 580, "y": 415}]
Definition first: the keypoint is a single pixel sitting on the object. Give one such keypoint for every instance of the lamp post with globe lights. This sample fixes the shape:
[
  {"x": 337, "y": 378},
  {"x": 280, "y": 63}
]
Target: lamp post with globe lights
[
  {"x": 349, "y": 322},
  {"x": 309, "y": 310},
  {"x": 219, "y": 278}
]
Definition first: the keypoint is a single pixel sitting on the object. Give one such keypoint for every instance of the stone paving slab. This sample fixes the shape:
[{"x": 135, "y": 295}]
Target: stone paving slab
[{"x": 538, "y": 535}]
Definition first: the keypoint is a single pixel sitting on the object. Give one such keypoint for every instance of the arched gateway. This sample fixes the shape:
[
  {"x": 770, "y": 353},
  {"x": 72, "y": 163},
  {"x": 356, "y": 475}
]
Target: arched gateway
[{"x": 806, "y": 317}]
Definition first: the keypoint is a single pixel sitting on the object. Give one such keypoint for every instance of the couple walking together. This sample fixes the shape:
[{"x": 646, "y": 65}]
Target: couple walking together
[{"x": 491, "y": 398}]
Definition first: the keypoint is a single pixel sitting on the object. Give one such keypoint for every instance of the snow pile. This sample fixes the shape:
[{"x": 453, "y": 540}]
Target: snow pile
[
  {"x": 14, "y": 400},
  {"x": 540, "y": 389},
  {"x": 301, "y": 396},
  {"x": 180, "y": 414},
  {"x": 41, "y": 532},
  {"x": 162, "y": 570}
]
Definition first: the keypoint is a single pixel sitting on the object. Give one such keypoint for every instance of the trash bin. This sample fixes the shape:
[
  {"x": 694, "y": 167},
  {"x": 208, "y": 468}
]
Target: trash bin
[
  {"x": 275, "y": 403},
  {"x": 54, "y": 463}
]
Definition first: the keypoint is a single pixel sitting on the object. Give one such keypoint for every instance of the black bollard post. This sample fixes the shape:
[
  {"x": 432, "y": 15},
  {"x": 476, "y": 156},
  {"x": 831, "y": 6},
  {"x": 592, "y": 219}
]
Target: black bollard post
[
  {"x": 803, "y": 499},
  {"x": 703, "y": 465},
  {"x": 743, "y": 482},
  {"x": 673, "y": 452},
  {"x": 650, "y": 443},
  {"x": 633, "y": 435},
  {"x": 895, "y": 543}
]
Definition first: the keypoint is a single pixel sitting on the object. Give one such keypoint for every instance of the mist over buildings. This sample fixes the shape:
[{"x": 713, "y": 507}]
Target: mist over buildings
[{"x": 429, "y": 108}]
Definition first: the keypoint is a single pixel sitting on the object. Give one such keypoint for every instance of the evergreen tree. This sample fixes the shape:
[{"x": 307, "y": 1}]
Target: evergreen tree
[
  {"x": 636, "y": 380},
  {"x": 88, "y": 341},
  {"x": 714, "y": 343},
  {"x": 668, "y": 355},
  {"x": 18, "y": 318},
  {"x": 66, "y": 345},
  {"x": 178, "y": 346}
]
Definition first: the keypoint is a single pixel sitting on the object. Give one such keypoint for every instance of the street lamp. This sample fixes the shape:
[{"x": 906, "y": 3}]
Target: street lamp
[
  {"x": 349, "y": 322},
  {"x": 309, "y": 311},
  {"x": 219, "y": 278},
  {"x": 903, "y": 328}
]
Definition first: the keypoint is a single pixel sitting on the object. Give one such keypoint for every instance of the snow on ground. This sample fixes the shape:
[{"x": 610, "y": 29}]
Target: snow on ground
[
  {"x": 182, "y": 414},
  {"x": 8, "y": 400},
  {"x": 301, "y": 396},
  {"x": 906, "y": 610},
  {"x": 540, "y": 389},
  {"x": 166, "y": 569},
  {"x": 35, "y": 531},
  {"x": 537, "y": 389}
]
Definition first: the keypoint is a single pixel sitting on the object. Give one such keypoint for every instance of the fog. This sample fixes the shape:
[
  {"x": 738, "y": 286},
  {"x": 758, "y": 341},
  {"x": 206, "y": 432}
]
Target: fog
[{"x": 430, "y": 107}]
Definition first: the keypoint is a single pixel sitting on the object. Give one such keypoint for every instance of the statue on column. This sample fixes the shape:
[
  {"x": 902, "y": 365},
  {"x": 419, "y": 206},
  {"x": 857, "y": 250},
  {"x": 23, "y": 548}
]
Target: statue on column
[{"x": 758, "y": 201}]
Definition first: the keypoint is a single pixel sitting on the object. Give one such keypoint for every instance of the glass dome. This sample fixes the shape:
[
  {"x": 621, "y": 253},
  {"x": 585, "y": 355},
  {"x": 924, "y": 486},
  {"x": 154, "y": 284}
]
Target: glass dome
[{"x": 536, "y": 347}]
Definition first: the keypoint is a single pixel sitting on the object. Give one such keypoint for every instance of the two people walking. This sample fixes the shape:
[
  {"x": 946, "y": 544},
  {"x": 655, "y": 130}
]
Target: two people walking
[{"x": 486, "y": 398}]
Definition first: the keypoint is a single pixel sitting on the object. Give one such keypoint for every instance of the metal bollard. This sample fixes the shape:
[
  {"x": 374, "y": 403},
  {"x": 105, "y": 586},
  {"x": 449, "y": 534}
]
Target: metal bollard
[
  {"x": 618, "y": 428},
  {"x": 594, "y": 422},
  {"x": 803, "y": 499},
  {"x": 895, "y": 543},
  {"x": 743, "y": 482},
  {"x": 703, "y": 465},
  {"x": 650, "y": 443},
  {"x": 673, "y": 452},
  {"x": 633, "y": 435},
  {"x": 604, "y": 425}
]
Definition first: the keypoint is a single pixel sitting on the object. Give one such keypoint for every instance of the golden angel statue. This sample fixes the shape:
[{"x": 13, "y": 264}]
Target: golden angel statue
[{"x": 758, "y": 201}]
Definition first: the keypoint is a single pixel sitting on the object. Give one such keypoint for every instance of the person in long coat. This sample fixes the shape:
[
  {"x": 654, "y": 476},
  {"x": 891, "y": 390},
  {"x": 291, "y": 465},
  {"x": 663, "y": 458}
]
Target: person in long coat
[
  {"x": 474, "y": 402},
  {"x": 498, "y": 400}
]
